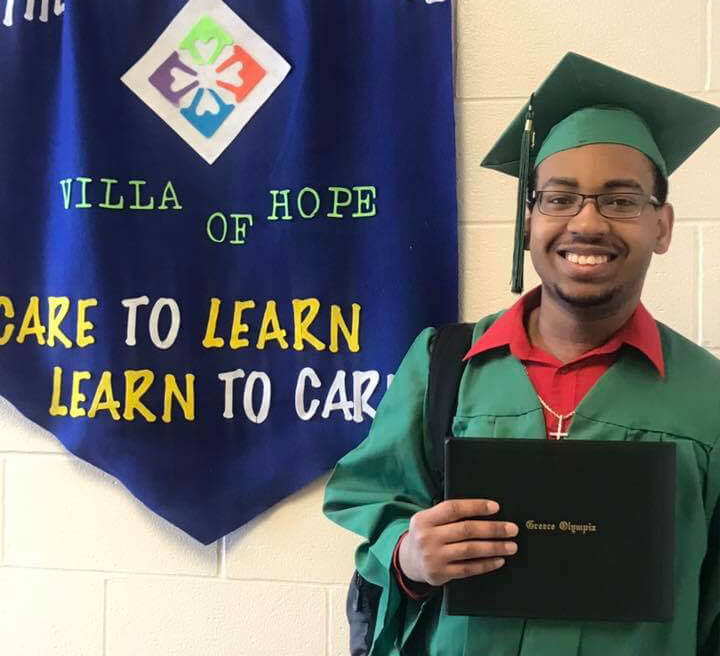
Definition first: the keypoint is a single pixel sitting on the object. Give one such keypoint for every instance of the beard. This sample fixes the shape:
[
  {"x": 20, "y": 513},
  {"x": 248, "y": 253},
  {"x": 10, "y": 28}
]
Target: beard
[{"x": 604, "y": 300}]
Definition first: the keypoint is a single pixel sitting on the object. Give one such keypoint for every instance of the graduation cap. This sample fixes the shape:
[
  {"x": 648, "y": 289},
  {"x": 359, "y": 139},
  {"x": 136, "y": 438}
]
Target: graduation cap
[{"x": 583, "y": 102}]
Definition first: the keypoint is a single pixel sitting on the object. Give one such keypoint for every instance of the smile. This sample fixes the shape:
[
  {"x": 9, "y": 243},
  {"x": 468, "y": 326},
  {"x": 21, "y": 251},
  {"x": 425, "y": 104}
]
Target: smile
[{"x": 587, "y": 260}]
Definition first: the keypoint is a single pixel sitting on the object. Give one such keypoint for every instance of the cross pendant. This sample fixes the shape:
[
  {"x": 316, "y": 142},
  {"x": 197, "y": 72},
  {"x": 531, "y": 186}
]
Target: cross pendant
[{"x": 558, "y": 434}]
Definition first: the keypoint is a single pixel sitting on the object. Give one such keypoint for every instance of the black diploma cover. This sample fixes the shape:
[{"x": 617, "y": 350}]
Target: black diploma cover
[{"x": 596, "y": 523}]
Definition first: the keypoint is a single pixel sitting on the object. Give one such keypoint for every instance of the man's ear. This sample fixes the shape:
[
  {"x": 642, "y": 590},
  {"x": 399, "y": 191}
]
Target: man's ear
[
  {"x": 526, "y": 241},
  {"x": 665, "y": 222}
]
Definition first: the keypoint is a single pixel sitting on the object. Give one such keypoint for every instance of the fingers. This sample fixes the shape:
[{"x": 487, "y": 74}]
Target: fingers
[
  {"x": 454, "y": 510},
  {"x": 476, "y": 529},
  {"x": 477, "y": 549},
  {"x": 473, "y": 568},
  {"x": 448, "y": 541},
  {"x": 453, "y": 521},
  {"x": 439, "y": 573}
]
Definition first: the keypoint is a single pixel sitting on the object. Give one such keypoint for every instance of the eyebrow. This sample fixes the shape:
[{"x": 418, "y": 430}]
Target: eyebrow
[
  {"x": 563, "y": 182},
  {"x": 617, "y": 183}
]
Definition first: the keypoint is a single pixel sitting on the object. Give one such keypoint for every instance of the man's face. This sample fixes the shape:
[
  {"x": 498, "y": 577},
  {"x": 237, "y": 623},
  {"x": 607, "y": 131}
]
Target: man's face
[{"x": 627, "y": 244}]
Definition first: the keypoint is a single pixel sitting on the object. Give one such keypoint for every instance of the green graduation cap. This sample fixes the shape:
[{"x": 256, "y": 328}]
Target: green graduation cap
[{"x": 582, "y": 102}]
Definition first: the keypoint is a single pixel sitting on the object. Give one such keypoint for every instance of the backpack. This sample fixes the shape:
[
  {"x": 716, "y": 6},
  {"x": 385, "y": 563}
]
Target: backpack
[{"x": 450, "y": 344}]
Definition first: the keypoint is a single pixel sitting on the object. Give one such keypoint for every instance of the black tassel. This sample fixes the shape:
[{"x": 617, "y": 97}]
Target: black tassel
[{"x": 523, "y": 182}]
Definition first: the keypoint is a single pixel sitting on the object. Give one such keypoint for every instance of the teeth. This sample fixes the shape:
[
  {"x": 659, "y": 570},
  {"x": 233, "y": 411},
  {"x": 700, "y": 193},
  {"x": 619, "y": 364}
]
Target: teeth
[{"x": 590, "y": 260}]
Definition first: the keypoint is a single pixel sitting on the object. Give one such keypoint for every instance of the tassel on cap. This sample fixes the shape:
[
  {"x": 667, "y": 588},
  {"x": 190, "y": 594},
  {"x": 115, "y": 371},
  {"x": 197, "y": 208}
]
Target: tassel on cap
[
  {"x": 583, "y": 101},
  {"x": 523, "y": 181}
]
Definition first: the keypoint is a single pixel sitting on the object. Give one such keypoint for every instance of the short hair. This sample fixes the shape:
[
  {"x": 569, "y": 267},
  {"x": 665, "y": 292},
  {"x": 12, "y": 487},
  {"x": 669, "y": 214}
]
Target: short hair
[{"x": 660, "y": 184}]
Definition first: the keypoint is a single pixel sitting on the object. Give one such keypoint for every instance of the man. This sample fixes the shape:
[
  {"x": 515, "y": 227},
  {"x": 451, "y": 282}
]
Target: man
[{"x": 577, "y": 358}]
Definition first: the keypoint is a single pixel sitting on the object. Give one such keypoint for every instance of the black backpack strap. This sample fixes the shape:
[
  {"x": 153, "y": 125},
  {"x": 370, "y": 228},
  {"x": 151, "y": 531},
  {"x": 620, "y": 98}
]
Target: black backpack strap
[
  {"x": 450, "y": 345},
  {"x": 361, "y": 608},
  {"x": 447, "y": 349}
]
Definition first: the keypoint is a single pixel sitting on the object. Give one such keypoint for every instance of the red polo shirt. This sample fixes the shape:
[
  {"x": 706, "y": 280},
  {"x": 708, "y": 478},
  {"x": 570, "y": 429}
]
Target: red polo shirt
[{"x": 561, "y": 385}]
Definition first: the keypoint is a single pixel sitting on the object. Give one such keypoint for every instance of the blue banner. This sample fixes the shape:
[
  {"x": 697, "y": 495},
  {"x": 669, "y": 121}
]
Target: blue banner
[{"x": 222, "y": 224}]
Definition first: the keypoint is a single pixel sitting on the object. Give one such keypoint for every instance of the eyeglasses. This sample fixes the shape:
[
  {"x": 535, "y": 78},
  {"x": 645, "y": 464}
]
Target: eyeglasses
[{"x": 611, "y": 206}]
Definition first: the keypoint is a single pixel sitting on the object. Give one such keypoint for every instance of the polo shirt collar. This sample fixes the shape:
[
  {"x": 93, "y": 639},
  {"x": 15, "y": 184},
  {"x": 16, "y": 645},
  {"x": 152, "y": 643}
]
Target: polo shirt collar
[{"x": 640, "y": 331}]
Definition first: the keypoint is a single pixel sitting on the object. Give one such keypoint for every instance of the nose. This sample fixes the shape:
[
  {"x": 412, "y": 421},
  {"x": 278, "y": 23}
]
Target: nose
[{"x": 588, "y": 220}]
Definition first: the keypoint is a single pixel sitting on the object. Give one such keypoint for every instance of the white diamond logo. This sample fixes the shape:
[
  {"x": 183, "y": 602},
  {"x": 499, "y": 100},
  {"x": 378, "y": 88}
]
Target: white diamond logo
[{"x": 207, "y": 75}]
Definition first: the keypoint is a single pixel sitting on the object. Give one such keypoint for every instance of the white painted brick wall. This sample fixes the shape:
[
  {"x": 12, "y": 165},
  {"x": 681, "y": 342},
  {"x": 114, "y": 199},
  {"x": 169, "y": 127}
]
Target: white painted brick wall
[
  {"x": 692, "y": 184},
  {"x": 81, "y": 518},
  {"x": 180, "y": 617},
  {"x": 505, "y": 48},
  {"x": 2, "y": 516},
  {"x": 311, "y": 551},
  {"x": 20, "y": 434},
  {"x": 44, "y": 613},
  {"x": 714, "y": 45},
  {"x": 88, "y": 571},
  {"x": 485, "y": 268},
  {"x": 483, "y": 195},
  {"x": 671, "y": 286},
  {"x": 711, "y": 285},
  {"x": 339, "y": 633}
]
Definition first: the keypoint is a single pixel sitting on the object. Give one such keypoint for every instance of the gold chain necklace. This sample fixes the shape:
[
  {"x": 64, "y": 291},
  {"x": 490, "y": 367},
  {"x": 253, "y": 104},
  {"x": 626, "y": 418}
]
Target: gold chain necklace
[{"x": 558, "y": 434}]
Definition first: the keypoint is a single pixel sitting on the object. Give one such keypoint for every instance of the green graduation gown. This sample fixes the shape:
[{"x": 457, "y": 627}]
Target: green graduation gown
[{"x": 377, "y": 487}]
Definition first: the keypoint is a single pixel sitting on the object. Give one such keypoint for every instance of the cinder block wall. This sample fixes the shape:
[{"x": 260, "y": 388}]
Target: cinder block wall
[{"x": 87, "y": 571}]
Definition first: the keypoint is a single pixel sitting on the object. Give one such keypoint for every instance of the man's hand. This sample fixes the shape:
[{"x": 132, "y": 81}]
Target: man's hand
[{"x": 448, "y": 542}]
